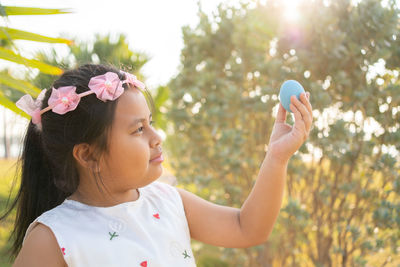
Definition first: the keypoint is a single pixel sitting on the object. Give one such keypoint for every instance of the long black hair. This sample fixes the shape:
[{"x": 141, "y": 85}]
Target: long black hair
[{"x": 46, "y": 165}]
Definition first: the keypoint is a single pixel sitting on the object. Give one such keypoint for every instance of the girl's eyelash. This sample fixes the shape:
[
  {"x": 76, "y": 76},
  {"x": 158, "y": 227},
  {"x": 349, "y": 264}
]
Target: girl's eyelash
[{"x": 151, "y": 123}]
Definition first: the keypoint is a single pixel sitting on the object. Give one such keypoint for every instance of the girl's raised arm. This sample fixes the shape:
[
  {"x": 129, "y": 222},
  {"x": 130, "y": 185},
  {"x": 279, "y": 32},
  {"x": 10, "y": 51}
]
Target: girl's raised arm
[{"x": 253, "y": 223}]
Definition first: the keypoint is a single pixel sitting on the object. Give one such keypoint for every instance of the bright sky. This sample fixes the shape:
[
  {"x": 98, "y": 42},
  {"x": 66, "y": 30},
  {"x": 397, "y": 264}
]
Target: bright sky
[{"x": 152, "y": 26}]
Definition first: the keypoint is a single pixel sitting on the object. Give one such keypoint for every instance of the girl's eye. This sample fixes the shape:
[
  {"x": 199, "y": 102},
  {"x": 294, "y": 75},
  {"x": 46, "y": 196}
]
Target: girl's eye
[{"x": 141, "y": 128}]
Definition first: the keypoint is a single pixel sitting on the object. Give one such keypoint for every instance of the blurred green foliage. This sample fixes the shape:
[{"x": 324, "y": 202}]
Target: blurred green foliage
[
  {"x": 7, "y": 175},
  {"x": 342, "y": 196}
]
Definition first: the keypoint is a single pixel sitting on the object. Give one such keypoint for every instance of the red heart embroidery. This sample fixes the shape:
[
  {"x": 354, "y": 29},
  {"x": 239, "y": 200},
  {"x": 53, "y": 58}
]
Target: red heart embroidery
[
  {"x": 144, "y": 264},
  {"x": 156, "y": 216}
]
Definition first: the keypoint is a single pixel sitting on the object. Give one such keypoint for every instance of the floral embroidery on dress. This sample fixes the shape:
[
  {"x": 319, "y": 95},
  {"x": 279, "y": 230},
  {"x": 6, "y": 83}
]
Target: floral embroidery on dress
[
  {"x": 112, "y": 235},
  {"x": 156, "y": 216},
  {"x": 186, "y": 255},
  {"x": 117, "y": 225},
  {"x": 143, "y": 264},
  {"x": 63, "y": 250}
]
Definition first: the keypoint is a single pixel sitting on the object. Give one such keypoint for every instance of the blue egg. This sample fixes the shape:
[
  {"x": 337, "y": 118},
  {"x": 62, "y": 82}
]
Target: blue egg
[{"x": 289, "y": 88}]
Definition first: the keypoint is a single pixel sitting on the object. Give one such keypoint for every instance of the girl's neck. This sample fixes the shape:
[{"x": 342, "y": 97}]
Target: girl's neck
[{"x": 105, "y": 200}]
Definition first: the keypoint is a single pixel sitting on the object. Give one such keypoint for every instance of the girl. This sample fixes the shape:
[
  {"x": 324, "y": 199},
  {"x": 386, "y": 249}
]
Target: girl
[{"x": 89, "y": 195}]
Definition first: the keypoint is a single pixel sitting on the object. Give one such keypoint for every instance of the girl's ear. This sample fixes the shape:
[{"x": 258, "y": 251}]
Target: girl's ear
[{"x": 84, "y": 155}]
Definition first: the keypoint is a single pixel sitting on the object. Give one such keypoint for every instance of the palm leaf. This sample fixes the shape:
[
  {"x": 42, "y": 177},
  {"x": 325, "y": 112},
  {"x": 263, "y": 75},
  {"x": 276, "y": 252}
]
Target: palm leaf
[
  {"x": 9, "y": 33},
  {"x": 9, "y": 55},
  {"x": 20, "y": 85},
  {"x": 7, "y": 103},
  {"x": 16, "y": 10}
]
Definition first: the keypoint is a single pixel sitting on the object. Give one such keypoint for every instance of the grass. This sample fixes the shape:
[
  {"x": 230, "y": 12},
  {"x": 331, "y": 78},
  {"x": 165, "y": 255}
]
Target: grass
[{"x": 7, "y": 171}]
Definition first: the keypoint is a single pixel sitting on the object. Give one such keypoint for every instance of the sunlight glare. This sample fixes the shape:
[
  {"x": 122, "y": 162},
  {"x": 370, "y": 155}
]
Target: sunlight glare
[{"x": 291, "y": 13}]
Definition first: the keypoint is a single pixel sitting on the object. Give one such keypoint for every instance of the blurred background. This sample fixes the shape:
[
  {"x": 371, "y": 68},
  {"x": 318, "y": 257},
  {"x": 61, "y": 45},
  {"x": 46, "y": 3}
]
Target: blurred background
[{"x": 214, "y": 69}]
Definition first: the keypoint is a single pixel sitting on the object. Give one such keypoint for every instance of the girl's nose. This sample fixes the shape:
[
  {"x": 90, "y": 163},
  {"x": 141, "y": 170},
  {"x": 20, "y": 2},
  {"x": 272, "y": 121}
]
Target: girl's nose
[{"x": 156, "y": 139}]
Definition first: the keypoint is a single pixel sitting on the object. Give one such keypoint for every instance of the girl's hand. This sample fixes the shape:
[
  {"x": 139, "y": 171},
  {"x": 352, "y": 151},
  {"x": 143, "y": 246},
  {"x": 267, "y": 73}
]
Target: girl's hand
[{"x": 285, "y": 140}]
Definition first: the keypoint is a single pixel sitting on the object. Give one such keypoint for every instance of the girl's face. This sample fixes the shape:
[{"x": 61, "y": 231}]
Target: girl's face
[{"x": 132, "y": 143}]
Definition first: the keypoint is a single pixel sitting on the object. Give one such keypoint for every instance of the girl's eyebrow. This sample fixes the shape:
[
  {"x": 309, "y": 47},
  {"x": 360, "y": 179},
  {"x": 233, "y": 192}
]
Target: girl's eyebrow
[{"x": 139, "y": 120}]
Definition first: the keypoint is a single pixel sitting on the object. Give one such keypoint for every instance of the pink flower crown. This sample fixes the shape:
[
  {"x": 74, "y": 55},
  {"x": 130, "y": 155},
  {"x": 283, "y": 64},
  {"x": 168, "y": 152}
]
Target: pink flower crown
[{"x": 64, "y": 99}]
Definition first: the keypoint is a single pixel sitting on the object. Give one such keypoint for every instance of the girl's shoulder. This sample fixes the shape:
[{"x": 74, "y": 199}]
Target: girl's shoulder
[
  {"x": 40, "y": 249},
  {"x": 46, "y": 218}
]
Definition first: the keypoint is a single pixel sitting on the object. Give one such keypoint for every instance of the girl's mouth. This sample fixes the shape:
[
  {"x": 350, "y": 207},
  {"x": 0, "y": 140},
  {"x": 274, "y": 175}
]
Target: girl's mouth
[{"x": 158, "y": 159}]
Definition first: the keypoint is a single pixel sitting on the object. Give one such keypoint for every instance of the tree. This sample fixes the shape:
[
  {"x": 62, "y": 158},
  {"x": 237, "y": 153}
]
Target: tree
[{"x": 342, "y": 203}]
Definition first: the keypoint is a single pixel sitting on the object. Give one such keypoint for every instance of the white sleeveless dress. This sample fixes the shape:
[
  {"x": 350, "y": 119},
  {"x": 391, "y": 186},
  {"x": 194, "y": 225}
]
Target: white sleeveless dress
[{"x": 151, "y": 231}]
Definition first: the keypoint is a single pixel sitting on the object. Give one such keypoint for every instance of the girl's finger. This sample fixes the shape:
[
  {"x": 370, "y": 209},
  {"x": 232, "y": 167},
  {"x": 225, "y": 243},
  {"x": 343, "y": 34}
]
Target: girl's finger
[
  {"x": 306, "y": 101},
  {"x": 307, "y": 118},
  {"x": 298, "y": 119},
  {"x": 281, "y": 116},
  {"x": 303, "y": 111},
  {"x": 309, "y": 107}
]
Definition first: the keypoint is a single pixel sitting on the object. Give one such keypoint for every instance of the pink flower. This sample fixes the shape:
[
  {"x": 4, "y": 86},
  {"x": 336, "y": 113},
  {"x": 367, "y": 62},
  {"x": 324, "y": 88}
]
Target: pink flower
[
  {"x": 63, "y": 99},
  {"x": 131, "y": 79},
  {"x": 36, "y": 117},
  {"x": 31, "y": 107},
  {"x": 107, "y": 86}
]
